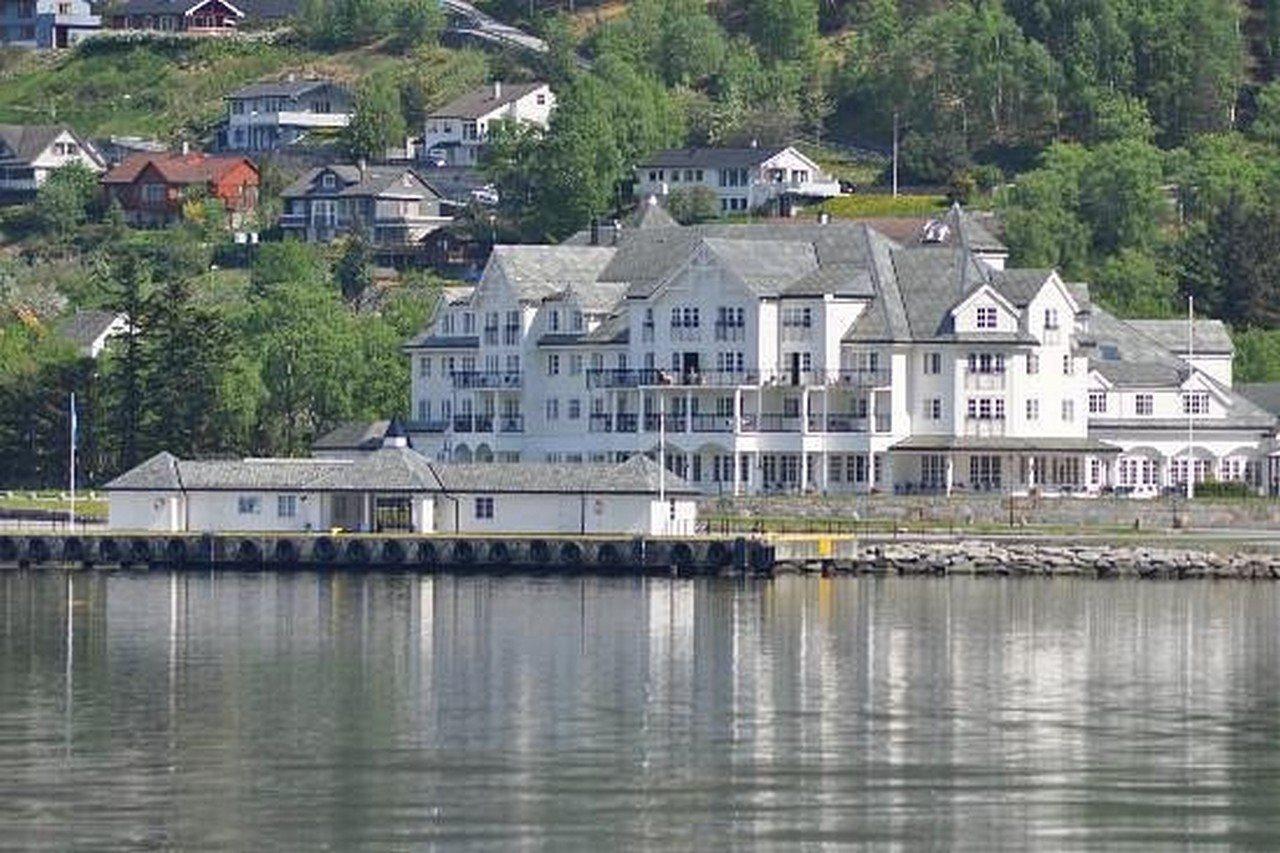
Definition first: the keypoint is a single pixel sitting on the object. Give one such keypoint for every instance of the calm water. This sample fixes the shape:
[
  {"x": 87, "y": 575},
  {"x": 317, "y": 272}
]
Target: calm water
[{"x": 340, "y": 710}]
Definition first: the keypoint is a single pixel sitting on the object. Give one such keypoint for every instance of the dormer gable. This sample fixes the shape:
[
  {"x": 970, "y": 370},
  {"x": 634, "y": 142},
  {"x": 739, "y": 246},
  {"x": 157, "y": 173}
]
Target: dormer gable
[{"x": 985, "y": 310}]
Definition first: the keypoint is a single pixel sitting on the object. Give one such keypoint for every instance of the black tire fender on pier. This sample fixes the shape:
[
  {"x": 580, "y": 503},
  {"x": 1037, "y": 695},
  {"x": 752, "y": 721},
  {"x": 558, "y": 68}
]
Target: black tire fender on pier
[
  {"x": 719, "y": 555},
  {"x": 357, "y": 552},
  {"x": 140, "y": 551},
  {"x": 109, "y": 551},
  {"x": 609, "y": 555},
  {"x": 176, "y": 550},
  {"x": 427, "y": 554},
  {"x": 73, "y": 550},
  {"x": 392, "y": 551},
  {"x": 37, "y": 550},
  {"x": 286, "y": 551},
  {"x": 248, "y": 551},
  {"x": 571, "y": 554},
  {"x": 499, "y": 553},
  {"x": 539, "y": 552},
  {"x": 464, "y": 553},
  {"x": 325, "y": 550},
  {"x": 681, "y": 555},
  {"x": 8, "y": 549}
]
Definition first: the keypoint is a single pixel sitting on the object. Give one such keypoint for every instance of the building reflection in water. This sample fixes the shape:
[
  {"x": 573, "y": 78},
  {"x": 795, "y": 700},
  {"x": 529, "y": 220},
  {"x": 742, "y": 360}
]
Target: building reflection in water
[{"x": 361, "y": 709}]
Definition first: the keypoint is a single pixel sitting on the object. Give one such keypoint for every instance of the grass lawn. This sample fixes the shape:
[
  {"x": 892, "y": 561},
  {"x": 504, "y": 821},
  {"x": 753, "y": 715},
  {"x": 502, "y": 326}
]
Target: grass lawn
[
  {"x": 876, "y": 205},
  {"x": 91, "y": 504}
]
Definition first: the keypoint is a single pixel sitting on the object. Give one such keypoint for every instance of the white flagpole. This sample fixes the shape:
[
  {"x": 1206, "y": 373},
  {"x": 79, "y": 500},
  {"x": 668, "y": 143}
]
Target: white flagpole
[
  {"x": 662, "y": 447},
  {"x": 1191, "y": 406},
  {"x": 71, "y": 513}
]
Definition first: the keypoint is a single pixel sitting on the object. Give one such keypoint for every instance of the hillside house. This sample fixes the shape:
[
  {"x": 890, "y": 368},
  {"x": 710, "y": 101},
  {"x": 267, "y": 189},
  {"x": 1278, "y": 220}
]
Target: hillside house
[
  {"x": 30, "y": 153},
  {"x": 46, "y": 24},
  {"x": 458, "y": 131},
  {"x": 268, "y": 116},
  {"x": 743, "y": 179},
  {"x": 152, "y": 188},
  {"x": 197, "y": 17},
  {"x": 392, "y": 206}
]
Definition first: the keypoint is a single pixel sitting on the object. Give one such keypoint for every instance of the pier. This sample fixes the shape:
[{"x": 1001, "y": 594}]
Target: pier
[{"x": 278, "y": 551}]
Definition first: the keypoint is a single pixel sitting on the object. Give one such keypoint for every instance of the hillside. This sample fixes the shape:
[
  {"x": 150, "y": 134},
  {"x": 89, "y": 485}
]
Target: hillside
[{"x": 170, "y": 89}]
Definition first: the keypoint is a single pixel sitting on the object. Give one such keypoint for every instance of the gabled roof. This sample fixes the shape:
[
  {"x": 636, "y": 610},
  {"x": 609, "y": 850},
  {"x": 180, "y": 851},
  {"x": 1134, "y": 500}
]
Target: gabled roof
[
  {"x": 160, "y": 472},
  {"x": 1264, "y": 395},
  {"x": 540, "y": 272},
  {"x": 479, "y": 102},
  {"x": 26, "y": 142},
  {"x": 708, "y": 158},
  {"x": 354, "y": 181},
  {"x": 280, "y": 89},
  {"x": 1211, "y": 336},
  {"x": 353, "y": 435},
  {"x": 176, "y": 168},
  {"x": 170, "y": 7},
  {"x": 638, "y": 475},
  {"x": 84, "y": 328}
]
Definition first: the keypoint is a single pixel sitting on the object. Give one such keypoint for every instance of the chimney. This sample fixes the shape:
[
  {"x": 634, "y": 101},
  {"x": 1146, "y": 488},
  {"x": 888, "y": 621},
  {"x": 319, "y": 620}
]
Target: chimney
[
  {"x": 755, "y": 143},
  {"x": 186, "y": 148},
  {"x": 363, "y": 166},
  {"x": 497, "y": 90}
]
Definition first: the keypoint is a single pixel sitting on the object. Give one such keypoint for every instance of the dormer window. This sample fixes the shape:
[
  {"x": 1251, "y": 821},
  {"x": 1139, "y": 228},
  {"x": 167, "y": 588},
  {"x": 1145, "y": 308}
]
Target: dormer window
[
  {"x": 328, "y": 181},
  {"x": 986, "y": 318},
  {"x": 1050, "y": 318}
]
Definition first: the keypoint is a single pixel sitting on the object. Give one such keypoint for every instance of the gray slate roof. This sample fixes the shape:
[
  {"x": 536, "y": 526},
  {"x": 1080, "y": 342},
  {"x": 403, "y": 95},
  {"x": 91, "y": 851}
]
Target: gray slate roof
[
  {"x": 393, "y": 469},
  {"x": 480, "y": 102},
  {"x": 1264, "y": 395},
  {"x": 280, "y": 89},
  {"x": 541, "y": 272},
  {"x": 83, "y": 328},
  {"x": 353, "y": 435},
  {"x": 384, "y": 181},
  {"x": 708, "y": 158},
  {"x": 1211, "y": 336},
  {"x": 26, "y": 142}
]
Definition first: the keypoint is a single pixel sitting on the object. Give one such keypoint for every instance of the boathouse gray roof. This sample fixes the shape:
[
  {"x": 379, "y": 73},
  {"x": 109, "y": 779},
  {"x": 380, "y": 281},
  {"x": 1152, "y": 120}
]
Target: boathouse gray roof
[
  {"x": 353, "y": 435},
  {"x": 394, "y": 469},
  {"x": 1211, "y": 336},
  {"x": 1264, "y": 395}
]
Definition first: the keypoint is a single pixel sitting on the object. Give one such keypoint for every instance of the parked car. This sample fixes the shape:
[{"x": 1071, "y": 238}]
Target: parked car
[{"x": 486, "y": 195}]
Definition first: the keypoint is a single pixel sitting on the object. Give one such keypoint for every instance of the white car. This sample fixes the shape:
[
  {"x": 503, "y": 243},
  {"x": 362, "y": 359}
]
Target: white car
[{"x": 486, "y": 195}]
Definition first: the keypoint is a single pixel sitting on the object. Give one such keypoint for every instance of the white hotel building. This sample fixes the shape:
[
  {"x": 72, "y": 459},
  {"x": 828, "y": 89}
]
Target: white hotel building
[{"x": 826, "y": 357}]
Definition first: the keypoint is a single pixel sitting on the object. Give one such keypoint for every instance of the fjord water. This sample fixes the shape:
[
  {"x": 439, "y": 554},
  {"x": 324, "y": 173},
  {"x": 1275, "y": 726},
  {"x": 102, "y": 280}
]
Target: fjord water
[{"x": 342, "y": 711}]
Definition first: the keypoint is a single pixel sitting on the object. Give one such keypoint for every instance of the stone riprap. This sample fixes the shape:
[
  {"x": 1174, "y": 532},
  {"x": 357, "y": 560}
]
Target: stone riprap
[
  {"x": 1030, "y": 559},
  {"x": 1149, "y": 514}
]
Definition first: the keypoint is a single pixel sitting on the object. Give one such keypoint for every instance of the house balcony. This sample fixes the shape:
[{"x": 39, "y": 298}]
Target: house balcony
[
  {"x": 511, "y": 423},
  {"x": 711, "y": 423},
  {"x": 770, "y": 422},
  {"x": 290, "y": 118},
  {"x": 976, "y": 381},
  {"x": 428, "y": 426},
  {"x": 984, "y": 427},
  {"x": 624, "y": 422},
  {"x": 726, "y": 332},
  {"x": 837, "y": 423},
  {"x": 487, "y": 379},
  {"x": 674, "y": 422},
  {"x": 852, "y": 378},
  {"x": 600, "y": 423},
  {"x": 763, "y": 190}
]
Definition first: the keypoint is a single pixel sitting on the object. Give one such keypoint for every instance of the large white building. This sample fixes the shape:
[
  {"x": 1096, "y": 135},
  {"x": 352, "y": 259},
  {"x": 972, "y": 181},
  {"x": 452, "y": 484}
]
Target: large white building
[{"x": 825, "y": 357}]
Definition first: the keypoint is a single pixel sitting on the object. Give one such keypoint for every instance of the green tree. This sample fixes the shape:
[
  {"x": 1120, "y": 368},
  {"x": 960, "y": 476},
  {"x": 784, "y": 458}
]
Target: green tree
[
  {"x": 689, "y": 205},
  {"x": 377, "y": 123},
  {"x": 64, "y": 201},
  {"x": 785, "y": 30},
  {"x": 418, "y": 22},
  {"x": 354, "y": 270},
  {"x": 1135, "y": 284}
]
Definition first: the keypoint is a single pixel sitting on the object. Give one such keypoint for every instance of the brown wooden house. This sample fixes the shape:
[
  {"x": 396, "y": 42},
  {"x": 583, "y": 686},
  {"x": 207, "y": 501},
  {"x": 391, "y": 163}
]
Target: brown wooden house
[{"x": 152, "y": 188}]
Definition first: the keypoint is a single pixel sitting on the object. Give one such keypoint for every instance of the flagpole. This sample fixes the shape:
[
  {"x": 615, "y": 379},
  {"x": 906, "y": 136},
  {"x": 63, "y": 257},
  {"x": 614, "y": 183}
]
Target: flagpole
[
  {"x": 662, "y": 447},
  {"x": 1191, "y": 407},
  {"x": 71, "y": 513}
]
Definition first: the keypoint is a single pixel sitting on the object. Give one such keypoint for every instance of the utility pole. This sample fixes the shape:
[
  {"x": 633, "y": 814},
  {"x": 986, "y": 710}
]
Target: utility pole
[
  {"x": 895, "y": 153},
  {"x": 1191, "y": 404},
  {"x": 71, "y": 513}
]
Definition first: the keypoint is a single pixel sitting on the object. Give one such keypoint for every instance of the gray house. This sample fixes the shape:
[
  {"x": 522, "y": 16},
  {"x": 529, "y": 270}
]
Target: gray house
[
  {"x": 392, "y": 206},
  {"x": 267, "y": 116},
  {"x": 46, "y": 24}
]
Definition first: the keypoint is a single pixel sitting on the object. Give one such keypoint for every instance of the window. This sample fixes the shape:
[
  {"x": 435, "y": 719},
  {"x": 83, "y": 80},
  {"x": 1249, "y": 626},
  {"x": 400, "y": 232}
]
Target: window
[
  {"x": 1068, "y": 365},
  {"x": 1033, "y": 410},
  {"x": 553, "y": 409},
  {"x": 575, "y": 409},
  {"x": 153, "y": 193},
  {"x": 986, "y": 318},
  {"x": 484, "y": 508},
  {"x": 553, "y": 321},
  {"x": 541, "y": 98},
  {"x": 575, "y": 364},
  {"x": 933, "y": 409},
  {"x": 933, "y": 363},
  {"x": 553, "y": 364},
  {"x": 249, "y": 505},
  {"x": 424, "y": 366},
  {"x": 287, "y": 506},
  {"x": 1195, "y": 403},
  {"x": 986, "y": 408},
  {"x": 576, "y": 321},
  {"x": 1144, "y": 404},
  {"x": 986, "y": 362},
  {"x": 1051, "y": 318},
  {"x": 1068, "y": 411},
  {"x": 1033, "y": 364},
  {"x": 1097, "y": 402}
]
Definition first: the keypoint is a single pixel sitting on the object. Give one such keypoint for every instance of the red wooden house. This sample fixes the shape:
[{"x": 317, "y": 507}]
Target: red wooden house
[
  {"x": 152, "y": 188},
  {"x": 206, "y": 17}
]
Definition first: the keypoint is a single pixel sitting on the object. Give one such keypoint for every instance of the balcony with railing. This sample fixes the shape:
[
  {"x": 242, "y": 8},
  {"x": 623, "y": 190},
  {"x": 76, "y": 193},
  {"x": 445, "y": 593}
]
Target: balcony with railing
[
  {"x": 674, "y": 422},
  {"x": 511, "y": 423},
  {"x": 481, "y": 379},
  {"x": 626, "y": 422},
  {"x": 600, "y": 423},
  {"x": 686, "y": 334},
  {"x": 979, "y": 427},
  {"x": 462, "y": 423},
  {"x": 428, "y": 425},
  {"x": 770, "y": 422},
  {"x": 711, "y": 423},
  {"x": 730, "y": 332}
]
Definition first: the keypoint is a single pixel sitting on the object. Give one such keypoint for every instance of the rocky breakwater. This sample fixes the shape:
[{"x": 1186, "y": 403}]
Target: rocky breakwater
[{"x": 1034, "y": 559}]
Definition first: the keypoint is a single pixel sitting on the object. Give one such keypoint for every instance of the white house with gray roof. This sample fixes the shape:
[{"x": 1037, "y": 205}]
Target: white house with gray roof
[
  {"x": 29, "y": 153},
  {"x": 393, "y": 489},
  {"x": 271, "y": 115},
  {"x": 825, "y": 357},
  {"x": 742, "y": 179},
  {"x": 458, "y": 131}
]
